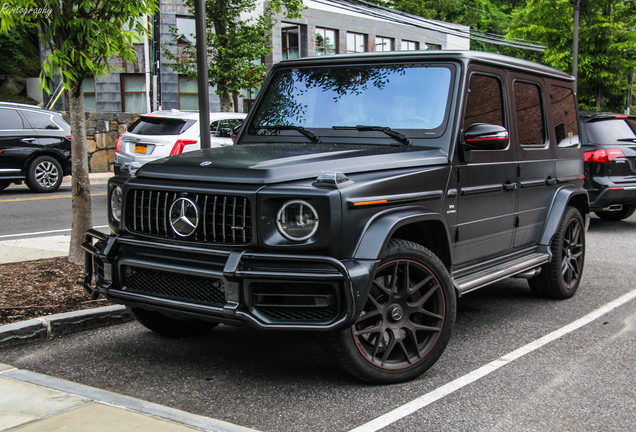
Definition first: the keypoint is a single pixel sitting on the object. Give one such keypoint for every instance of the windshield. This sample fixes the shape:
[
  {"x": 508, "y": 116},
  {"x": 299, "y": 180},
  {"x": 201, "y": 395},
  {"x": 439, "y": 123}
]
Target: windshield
[{"x": 411, "y": 98}]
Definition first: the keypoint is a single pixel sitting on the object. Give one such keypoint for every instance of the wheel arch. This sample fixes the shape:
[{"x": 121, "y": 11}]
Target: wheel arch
[
  {"x": 565, "y": 197},
  {"x": 416, "y": 224}
]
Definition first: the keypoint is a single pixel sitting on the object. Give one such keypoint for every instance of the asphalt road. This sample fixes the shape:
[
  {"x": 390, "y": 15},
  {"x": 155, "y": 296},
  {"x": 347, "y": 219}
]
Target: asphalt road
[
  {"x": 497, "y": 373},
  {"x": 32, "y": 214}
]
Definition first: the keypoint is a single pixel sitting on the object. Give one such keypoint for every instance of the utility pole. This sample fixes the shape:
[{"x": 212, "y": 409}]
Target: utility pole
[
  {"x": 575, "y": 48},
  {"x": 628, "y": 109},
  {"x": 202, "y": 73}
]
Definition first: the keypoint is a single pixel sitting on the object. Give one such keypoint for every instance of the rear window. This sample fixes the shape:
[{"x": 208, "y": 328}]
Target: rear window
[
  {"x": 612, "y": 131},
  {"x": 159, "y": 126}
]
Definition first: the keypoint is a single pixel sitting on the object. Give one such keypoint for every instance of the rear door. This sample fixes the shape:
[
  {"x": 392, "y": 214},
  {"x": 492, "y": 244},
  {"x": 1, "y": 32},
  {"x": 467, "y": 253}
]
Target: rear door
[{"x": 15, "y": 141}]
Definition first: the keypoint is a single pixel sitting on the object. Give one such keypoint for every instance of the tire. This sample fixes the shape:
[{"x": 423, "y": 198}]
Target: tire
[
  {"x": 4, "y": 185},
  {"x": 406, "y": 322},
  {"x": 44, "y": 174},
  {"x": 615, "y": 216},
  {"x": 171, "y": 327},
  {"x": 560, "y": 278}
]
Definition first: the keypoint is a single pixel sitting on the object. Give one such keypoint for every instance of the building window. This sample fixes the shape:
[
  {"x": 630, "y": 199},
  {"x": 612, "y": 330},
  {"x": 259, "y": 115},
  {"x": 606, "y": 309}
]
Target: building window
[
  {"x": 410, "y": 45},
  {"x": 290, "y": 42},
  {"x": 325, "y": 41},
  {"x": 133, "y": 93},
  {"x": 356, "y": 42},
  {"x": 89, "y": 94},
  {"x": 186, "y": 31},
  {"x": 529, "y": 111},
  {"x": 384, "y": 43},
  {"x": 433, "y": 47},
  {"x": 188, "y": 93}
]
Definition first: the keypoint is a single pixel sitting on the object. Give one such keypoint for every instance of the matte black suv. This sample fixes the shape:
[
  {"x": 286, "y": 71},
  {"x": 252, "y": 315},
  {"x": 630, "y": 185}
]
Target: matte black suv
[
  {"x": 364, "y": 194},
  {"x": 609, "y": 146},
  {"x": 35, "y": 145}
]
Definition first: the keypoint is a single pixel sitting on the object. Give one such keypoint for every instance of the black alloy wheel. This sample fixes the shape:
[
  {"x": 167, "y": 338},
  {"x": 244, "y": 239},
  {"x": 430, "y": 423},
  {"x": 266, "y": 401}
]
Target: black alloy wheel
[
  {"x": 560, "y": 278},
  {"x": 406, "y": 322}
]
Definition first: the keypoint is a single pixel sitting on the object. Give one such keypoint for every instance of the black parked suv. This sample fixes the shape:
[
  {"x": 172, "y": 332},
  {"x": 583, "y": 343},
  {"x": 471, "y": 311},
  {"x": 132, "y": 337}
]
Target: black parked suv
[
  {"x": 364, "y": 194},
  {"x": 609, "y": 146},
  {"x": 35, "y": 146}
]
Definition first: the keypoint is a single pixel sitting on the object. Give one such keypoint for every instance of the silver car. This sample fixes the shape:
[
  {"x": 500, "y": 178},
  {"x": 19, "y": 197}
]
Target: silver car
[{"x": 168, "y": 133}]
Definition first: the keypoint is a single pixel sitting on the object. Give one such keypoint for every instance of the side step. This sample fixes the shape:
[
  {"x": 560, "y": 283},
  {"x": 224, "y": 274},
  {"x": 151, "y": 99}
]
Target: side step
[{"x": 499, "y": 272}]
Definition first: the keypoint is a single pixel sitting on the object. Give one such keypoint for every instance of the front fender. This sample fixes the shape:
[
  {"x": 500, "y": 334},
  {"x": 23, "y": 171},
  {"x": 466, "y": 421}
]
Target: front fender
[{"x": 380, "y": 229}]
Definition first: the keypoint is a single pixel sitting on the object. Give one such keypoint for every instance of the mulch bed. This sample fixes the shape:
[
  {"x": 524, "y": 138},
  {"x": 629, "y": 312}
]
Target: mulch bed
[{"x": 33, "y": 289}]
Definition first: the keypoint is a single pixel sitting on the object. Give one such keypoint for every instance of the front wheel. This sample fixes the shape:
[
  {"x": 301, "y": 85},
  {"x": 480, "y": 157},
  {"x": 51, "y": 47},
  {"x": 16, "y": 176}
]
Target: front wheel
[
  {"x": 171, "y": 327},
  {"x": 406, "y": 322},
  {"x": 560, "y": 278}
]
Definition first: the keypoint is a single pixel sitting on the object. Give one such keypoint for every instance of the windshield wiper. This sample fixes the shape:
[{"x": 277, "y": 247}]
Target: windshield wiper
[
  {"x": 400, "y": 137},
  {"x": 312, "y": 136}
]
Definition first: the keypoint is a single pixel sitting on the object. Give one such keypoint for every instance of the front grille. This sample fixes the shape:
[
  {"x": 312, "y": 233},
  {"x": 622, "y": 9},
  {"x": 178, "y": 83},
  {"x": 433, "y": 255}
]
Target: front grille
[
  {"x": 174, "y": 286},
  {"x": 223, "y": 219},
  {"x": 295, "y": 301}
]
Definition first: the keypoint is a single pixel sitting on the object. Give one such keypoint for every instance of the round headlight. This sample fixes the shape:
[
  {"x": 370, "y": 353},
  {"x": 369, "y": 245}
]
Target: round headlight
[
  {"x": 297, "y": 220},
  {"x": 116, "y": 203}
]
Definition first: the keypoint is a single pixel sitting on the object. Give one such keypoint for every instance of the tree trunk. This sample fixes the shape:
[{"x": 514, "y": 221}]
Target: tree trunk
[
  {"x": 227, "y": 102},
  {"x": 81, "y": 213}
]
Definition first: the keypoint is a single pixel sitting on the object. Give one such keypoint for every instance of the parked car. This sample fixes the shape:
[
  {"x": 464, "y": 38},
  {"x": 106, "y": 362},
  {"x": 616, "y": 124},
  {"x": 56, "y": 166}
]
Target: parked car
[
  {"x": 609, "y": 146},
  {"x": 35, "y": 146},
  {"x": 364, "y": 194},
  {"x": 169, "y": 133}
]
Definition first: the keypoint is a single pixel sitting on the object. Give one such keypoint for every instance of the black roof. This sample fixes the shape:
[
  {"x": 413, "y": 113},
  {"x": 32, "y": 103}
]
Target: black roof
[{"x": 437, "y": 55}]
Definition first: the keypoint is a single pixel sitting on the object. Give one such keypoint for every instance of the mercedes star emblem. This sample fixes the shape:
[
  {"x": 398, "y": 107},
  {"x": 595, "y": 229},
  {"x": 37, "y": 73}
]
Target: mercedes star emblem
[{"x": 184, "y": 217}]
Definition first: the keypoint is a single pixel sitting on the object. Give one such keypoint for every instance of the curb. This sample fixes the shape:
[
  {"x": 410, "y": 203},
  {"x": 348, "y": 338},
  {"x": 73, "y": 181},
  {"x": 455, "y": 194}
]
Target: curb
[{"x": 60, "y": 324}]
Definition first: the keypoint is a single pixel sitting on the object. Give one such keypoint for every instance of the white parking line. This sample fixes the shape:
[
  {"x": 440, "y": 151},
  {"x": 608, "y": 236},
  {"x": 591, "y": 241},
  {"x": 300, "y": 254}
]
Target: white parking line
[
  {"x": 44, "y": 232},
  {"x": 451, "y": 387}
]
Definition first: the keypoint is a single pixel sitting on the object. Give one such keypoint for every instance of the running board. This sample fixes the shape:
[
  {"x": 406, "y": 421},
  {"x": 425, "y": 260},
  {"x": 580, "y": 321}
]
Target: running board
[{"x": 499, "y": 272}]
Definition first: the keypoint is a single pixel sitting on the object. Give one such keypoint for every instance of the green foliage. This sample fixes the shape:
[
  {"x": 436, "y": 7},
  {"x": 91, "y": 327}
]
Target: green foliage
[
  {"x": 82, "y": 35},
  {"x": 607, "y": 45},
  {"x": 235, "y": 44},
  {"x": 20, "y": 51}
]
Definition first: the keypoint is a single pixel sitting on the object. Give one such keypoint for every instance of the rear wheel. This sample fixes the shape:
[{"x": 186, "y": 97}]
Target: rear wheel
[
  {"x": 406, "y": 322},
  {"x": 614, "y": 216},
  {"x": 172, "y": 327},
  {"x": 44, "y": 174},
  {"x": 560, "y": 277}
]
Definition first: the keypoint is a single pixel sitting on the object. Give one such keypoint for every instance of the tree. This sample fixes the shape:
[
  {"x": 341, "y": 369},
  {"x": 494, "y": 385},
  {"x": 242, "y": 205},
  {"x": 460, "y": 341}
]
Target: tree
[
  {"x": 607, "y": 45},
  {"x": 237, "y": 39},
  {"x": 82, "y": 37}
]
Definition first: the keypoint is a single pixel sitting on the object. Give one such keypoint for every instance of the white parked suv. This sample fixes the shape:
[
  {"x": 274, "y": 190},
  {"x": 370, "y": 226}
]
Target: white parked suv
[{"x": 168, "y": 133}]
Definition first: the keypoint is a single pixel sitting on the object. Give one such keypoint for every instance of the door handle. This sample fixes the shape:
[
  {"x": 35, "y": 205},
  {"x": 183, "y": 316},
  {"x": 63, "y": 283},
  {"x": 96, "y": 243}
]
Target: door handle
[
  {"x": 27, "y": 140},
  {"x": 510, "y": 186},
  {"x": 550, "y": 181}
]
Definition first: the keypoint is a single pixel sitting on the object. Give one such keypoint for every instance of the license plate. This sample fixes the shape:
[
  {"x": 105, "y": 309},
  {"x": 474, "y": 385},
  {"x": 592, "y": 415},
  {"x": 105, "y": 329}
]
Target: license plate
[{"x": 140, "y": 149}]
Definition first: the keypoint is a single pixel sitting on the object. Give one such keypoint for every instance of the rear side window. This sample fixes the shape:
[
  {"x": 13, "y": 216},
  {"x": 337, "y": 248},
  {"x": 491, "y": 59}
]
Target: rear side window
[
  {"x": 566, "y": 127},
  {"x": 529, "y": 112},
  {"x": 223, "y": 128},
  {"x": 10, "y": 120},
  {"x": 159, "y": 126},
  {"x": 612, "y": 131},
  {"x": 484, "y": 101},
  {"x": 39, "y": 120}
]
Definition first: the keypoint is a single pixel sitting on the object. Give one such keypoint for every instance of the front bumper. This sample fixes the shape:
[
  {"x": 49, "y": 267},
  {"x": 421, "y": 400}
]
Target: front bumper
[{"x": 272, "y": 291}]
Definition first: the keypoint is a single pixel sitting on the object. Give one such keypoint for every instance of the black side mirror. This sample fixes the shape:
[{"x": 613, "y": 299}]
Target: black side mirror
[{"x": 484, "y": 136}]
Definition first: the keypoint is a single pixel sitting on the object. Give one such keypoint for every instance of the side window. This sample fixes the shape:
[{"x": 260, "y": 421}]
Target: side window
[
  {"x": 566, "y": 127},
  {"x": 39, "y": 121},
  {"x": 10, "y": 120},
  {"x": 214, "y": 128},
  {"x": 529, "y": 112},
  {"x": 483, "y": 104}
]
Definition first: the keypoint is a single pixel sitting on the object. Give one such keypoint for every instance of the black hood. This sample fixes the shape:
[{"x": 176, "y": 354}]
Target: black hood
[{"x": 276, "y": 163}]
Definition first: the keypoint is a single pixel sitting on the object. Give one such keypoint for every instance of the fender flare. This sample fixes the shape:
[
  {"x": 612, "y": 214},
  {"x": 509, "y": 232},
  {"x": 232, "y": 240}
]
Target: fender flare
[
  {"x": 383, "y": 225},
  {"x": 561, "y": 201}
]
